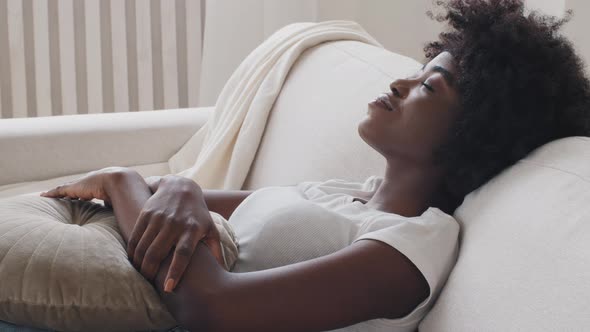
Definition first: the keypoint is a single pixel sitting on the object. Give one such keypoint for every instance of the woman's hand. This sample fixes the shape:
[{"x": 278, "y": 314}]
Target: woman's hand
[
  {"x": 89, "y": 186},
  {"x": 175, "y": 217}
]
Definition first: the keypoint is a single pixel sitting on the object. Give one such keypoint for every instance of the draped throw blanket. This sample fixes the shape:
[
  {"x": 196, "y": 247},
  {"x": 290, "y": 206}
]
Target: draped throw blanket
[{"x": 220, "y": 154}]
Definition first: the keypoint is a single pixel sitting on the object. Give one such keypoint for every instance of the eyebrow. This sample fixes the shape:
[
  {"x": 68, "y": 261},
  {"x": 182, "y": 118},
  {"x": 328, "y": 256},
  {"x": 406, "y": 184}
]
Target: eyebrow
[{"x": 445, "y": 73}]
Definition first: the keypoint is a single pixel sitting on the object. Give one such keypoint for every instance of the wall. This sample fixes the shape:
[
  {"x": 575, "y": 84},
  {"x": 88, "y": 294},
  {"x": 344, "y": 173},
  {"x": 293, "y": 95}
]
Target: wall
[
  {"x": 577, "y": 29},
  {"x": 90, "y": 56},
  {"x": 235, "y": 27}
]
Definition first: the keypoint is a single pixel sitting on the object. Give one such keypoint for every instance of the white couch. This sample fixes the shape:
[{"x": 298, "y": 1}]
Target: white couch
[{"x": 524, "y": 263}]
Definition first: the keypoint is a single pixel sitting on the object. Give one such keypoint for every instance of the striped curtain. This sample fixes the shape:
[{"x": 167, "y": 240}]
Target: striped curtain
[{"x": 60, "y": 57}]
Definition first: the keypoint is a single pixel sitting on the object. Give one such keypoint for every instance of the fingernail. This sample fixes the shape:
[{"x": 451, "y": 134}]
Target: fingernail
[{"x": 169, "y": 285}]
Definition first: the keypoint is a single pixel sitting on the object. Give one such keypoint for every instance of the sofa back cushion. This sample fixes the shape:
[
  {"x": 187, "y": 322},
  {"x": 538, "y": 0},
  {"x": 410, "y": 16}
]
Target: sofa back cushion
[
  {"x": 524, "y": 258},
  {"x": 311, "y": 133}
]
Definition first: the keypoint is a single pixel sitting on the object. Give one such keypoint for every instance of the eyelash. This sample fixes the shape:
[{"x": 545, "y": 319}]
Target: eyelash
[{"x": 427, "y": 86}]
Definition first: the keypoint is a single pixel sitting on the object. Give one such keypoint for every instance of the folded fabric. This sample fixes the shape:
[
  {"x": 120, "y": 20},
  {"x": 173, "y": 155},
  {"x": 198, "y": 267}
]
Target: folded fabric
[{"x": 220, "y": 154}]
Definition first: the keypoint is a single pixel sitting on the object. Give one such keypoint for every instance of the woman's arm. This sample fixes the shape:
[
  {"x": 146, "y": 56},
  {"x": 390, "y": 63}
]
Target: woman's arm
[
  {"x": 223, "y": 202},
  {"x": 364, "y": 281},
  {"x": 128, "y": 193}
]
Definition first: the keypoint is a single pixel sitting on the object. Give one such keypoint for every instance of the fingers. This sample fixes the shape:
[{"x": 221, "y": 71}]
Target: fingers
[
  {"x": 137, "y": 232},
  {"x": 157, "y": 252},
  {"x": 146, "y": 240},
  {"x": 213, "y": 242},
  {"x": 59, "y": 191},
  {"x": 216, "y": 250},
  {"x": 68, "y": 190},
  {"x": 182, "y": 255}
]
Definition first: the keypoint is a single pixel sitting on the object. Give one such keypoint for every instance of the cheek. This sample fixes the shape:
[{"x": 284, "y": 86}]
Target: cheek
[
  {"x": 428, "y": 124},
  {"x": 440, "y": 127}
]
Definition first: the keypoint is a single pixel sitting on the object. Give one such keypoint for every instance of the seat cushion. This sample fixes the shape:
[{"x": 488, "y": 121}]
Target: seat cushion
[{"x": 524, "y": 259}]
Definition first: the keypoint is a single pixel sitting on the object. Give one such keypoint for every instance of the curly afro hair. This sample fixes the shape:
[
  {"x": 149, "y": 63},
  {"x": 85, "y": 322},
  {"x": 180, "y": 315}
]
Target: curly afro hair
[{"x": 521, "y": 85}]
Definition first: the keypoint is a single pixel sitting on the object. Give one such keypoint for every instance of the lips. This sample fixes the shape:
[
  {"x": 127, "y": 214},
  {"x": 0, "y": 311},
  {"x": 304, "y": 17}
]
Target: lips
[{"x": 384, "y": 100}]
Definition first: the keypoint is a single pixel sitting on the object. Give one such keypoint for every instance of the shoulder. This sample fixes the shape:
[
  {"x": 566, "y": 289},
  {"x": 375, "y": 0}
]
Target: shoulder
[
  {"x": 429, "y": 241},
  {"x": 399, "y": 284}
]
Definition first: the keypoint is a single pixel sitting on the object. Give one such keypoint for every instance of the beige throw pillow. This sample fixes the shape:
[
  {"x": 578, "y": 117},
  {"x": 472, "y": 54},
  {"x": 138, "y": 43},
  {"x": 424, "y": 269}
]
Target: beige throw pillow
[{"x": 63, "y": 266}]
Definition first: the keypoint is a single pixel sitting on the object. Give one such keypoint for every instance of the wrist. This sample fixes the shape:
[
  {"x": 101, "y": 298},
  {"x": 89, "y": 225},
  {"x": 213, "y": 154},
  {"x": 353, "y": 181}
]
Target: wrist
[
  {"x": 153, "y": 182},
  {"x": 179, "y": 183},
  {"x": 117, "y": 177}
]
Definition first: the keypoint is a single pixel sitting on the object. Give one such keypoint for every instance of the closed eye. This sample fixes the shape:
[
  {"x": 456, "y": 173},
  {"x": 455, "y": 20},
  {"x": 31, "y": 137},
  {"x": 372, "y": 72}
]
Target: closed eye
[{"x": 428, "y": 86}]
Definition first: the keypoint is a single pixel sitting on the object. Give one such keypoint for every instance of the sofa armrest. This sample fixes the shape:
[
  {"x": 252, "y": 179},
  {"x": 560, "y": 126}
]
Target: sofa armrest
[{"x": 42, "y": 148}]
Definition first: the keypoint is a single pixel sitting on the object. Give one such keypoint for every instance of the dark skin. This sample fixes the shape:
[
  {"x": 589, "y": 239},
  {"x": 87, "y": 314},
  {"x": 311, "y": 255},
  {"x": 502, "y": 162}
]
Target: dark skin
[
  {"x": 363, "y": 281},
  {"x": 407, "y": 136}
]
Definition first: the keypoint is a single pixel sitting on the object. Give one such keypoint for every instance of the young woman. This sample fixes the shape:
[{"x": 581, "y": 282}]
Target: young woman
[{"x": 315, "y": 256}]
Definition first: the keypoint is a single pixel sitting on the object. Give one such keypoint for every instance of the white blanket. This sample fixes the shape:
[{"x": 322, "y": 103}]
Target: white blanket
[{"x": 220, "y": 154}]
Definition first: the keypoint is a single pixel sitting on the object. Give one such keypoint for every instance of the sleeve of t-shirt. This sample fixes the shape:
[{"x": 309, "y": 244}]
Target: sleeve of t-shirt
[{"x": 430, "y": 241}]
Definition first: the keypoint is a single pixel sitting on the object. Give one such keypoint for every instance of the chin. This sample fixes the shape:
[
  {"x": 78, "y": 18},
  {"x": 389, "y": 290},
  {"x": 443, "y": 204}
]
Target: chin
[
  {"x": 361, "y": 129},
  {"x": 365, "y": 132}
]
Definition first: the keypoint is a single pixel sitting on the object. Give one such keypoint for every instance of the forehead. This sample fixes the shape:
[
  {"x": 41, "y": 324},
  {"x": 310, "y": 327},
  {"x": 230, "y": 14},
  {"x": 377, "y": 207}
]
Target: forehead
[{"x": 445, "y": 60}]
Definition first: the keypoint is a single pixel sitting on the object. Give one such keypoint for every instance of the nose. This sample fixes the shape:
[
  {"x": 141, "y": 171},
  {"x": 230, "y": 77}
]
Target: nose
[{"x": 401, "y": 87}]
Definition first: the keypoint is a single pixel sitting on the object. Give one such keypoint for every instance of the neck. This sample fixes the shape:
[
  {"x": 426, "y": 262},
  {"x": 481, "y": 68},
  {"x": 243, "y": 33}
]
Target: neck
[{"x": 406, "y": 188}]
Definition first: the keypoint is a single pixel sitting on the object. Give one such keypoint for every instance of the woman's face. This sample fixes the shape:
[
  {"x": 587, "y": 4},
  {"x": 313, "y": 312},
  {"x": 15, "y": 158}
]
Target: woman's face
[{"x": 416, "y": 115}]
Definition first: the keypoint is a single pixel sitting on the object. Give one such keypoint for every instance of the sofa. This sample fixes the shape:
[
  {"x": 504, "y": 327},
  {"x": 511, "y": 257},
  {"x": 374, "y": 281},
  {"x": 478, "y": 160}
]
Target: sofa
[{"x": 524, "y": 261}]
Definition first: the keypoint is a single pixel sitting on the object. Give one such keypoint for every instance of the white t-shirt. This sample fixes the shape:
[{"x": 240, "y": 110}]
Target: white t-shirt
[{"x": 277, "y": 226}]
